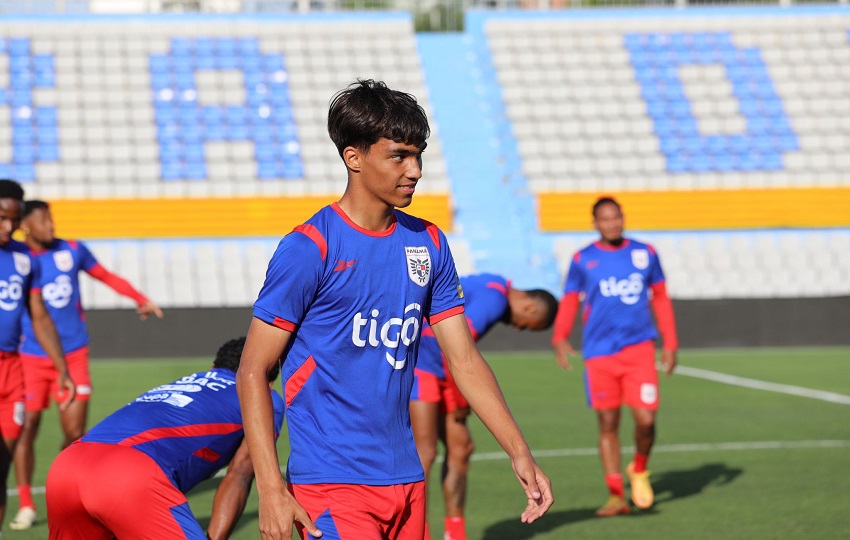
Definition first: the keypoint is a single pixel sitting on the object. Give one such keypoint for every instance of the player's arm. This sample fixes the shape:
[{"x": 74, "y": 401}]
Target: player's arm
[
  {"x": 564, "y": 320},
  {"x": 48, "y": 338},
  {"x": 278, "y": 510},
  {"x": 478, "y": 385},
  {"x": 124, "y": 288},
  {"x": 662, "y": 306},
  {"x": 231, "y": 495}
]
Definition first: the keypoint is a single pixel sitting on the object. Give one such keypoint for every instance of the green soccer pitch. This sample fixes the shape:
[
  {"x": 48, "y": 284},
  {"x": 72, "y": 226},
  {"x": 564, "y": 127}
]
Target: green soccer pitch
[{"x": 764, "y": 453}]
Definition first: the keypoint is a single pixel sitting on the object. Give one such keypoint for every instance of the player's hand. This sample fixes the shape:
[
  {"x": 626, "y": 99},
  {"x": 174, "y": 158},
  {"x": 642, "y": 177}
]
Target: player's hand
[
  {"x": 278, "y": 512},
  {"x": 148, "y": 308},
  {"x": 537, "y": 487},
  {"x": 669, "y": 361},
  {"x": 67, "y": 388},
  {"x": 563, "y": 350}
]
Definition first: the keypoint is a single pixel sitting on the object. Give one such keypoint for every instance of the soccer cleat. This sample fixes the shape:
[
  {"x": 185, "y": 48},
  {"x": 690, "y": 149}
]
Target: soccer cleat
[
  {"x": 642, "y": 494},
  {"x": 614, "y": 506},
  {"x": 24, "y": 519}
]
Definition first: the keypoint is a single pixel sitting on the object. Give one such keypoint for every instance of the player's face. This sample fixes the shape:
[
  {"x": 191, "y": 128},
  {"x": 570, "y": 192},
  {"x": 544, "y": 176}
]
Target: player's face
[
  {"x": 10, "y": 219},
  {"x": 609, "y": 223},
  {"x": 39, "y": 226},
  {"x": 527, "y": 314},
  {"x": 391, "y": 170}
]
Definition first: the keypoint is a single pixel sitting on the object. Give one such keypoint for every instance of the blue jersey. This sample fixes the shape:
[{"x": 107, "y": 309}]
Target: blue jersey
[
  {"x": 615, "y": 283},
  {"x": 486, "y": 303},
  {"x": 355, "y": 300},
  {"x": 191, "y": 427},
  {"x": 60, "y": 266},
  {"x": 19, "y": 275}
]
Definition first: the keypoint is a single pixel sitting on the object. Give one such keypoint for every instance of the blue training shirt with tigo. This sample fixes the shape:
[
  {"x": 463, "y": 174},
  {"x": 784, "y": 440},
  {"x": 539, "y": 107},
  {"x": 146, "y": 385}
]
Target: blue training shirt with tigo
[
  {"x": 191, "y": 427},
  {"x": 19, "y": 276},
  {"x": 60, "y": 268},
  {"x": 615, "y": 282},
  {"x": 355, "y": 300},
  {"x": 486, "y": 303}
]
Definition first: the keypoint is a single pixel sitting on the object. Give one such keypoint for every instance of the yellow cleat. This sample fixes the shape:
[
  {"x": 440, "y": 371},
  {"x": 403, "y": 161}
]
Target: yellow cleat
[
  {"x": 642, "y": 494},
  {"x": 614, "y": 506}
]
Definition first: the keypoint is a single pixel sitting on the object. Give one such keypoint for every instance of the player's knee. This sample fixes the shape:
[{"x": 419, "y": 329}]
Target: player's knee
[{"x": 427, "y": 455}]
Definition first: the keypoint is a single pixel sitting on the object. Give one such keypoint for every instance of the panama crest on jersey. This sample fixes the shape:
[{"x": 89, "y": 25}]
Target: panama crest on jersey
[
  {"x": 22, "y": 263},
  {"x": 640, "y": 258},
  {"x": 64, "y": 260},
  {"x": 418, "y": 264}
]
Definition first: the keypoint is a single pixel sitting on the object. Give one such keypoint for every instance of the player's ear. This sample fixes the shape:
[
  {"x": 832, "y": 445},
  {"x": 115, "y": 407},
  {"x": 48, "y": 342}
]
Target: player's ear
[{"x": 352, "y": 158}]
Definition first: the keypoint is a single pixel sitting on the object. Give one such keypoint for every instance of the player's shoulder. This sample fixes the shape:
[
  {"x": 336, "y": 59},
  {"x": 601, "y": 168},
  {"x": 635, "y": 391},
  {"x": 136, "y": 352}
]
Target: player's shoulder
[
  {"x": 15, "y": 246},
  {"x": 485, "y": 281},
  {"x": 583, "y": 253},
  {"x": 314, "y": 232},
  {"x": 421, "y": 226}
]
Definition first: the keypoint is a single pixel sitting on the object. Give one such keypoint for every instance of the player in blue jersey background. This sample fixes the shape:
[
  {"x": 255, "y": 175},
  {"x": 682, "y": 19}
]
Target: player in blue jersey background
[
  {"x": 61, "y": 262},
  {"x": 438, "y": 411},
  {"x": 621, "y": 284},
  {"x": 20, "y": 295},
  {"x": 344, "y": 298},
  {"x": 127, "y": 477}
]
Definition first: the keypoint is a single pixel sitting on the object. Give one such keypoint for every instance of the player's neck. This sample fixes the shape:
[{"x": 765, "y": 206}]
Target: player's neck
[
  {"x": 366, "y": 212},
  {"x": 35, "y": 246}
]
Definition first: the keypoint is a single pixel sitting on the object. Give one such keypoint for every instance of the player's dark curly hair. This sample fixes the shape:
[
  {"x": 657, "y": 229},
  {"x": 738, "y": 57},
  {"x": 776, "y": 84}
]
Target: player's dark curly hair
[
  {"x": 9, "y": 189},
  {"x": 605, "y": 200},
  {"x": 549, "y": 303},
  {"x": 368, "y": 110},
  {"x": 230, "y": 354},
  {"x": 33, "y": 205}
]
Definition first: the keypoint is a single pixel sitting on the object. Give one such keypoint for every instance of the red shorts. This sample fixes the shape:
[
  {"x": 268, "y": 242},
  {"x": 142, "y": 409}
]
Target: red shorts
[
  {"x": 11, "y": 395},
  {"x": 102, "y": 491},
  {"x": 40, "y": 379},
  {"x": 355, "y": 512},
  {"x": 628, "y": 376},
  {"x": 431, "y": 389}
]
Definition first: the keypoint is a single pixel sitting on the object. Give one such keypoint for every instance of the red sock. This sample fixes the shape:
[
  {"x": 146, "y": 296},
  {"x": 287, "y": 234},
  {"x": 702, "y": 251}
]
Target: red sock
[
  {"x": 25, "y": 496},
  {"x": 427, "y": 532},
  {"x": 615, "y": 484},
  {"x": 640, "y": 462},
  {"x": 455, "y": 528}
]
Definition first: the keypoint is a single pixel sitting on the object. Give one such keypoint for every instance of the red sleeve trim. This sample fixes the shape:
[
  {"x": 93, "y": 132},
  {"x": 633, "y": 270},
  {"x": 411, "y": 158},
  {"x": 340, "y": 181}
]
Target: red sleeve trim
[
  {"x": 566, "y": 317},
  {"x": 36, "y": 290},
  {"x": 313, "y": 234},
  {"x": 443, "y": 315},
  {"x": 296, "y": 382},
  {"x": 498, "y": 286},
  {"x": 433, "y": 232},
  {"x": 116, "y": 283},
  {"x": 283, "y": 324},
  {"x": 663, "y": 308}
]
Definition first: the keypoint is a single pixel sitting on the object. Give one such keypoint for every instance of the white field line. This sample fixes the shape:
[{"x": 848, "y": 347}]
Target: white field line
[
  {"x": 664, "y": 448},
  {"x": 756, "y": 384}
]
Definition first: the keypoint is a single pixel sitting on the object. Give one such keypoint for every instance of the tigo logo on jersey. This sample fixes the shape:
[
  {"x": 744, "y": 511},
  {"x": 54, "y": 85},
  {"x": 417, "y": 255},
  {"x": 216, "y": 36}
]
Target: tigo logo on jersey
[
  {"x": 58, "y": 293},
  {"x": 11, "y": 292},
  {"x": 627, "y": 289},
  {"x": 22, "y": 263},
  {"x": 393, "y": 332},
  {"x": 640, "y": 258},
  {"x": 418, "y": 264},
  {"x": 63, "y": 260}
]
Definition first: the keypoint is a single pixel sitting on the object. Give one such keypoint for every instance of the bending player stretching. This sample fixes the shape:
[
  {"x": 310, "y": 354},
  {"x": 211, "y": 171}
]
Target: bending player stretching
[
  {"x": 437, "y": 408},
  {"x": 615, "y": 276},
  {"x": 61, "y": 262},
  {"x": 344, "y": 298}
]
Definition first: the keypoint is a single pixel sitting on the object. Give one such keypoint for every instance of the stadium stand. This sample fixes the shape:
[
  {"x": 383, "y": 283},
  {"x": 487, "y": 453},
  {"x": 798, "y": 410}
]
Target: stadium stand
[{"x": 182, "y": 152}]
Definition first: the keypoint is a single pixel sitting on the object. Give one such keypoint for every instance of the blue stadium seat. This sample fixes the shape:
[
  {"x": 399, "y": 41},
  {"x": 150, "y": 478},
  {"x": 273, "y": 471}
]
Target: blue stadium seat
[{"x": 171, "y": 170}]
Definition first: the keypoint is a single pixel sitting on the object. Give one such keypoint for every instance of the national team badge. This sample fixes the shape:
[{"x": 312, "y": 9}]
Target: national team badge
[
  {"x": 64, "y": 260},
  {"x": 418, "y": 265},
  {"x": 640, "y": 258},
  {"x": 22, "y": 263}
]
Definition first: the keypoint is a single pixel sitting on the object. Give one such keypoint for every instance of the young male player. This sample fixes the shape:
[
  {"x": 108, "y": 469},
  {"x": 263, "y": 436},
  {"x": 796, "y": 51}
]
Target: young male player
[
  {"x": 437, "y": 408},
  {"x": 615, "y": 277},
  {"x": 61, "y": 262},
  {"x": 127, "y": 477},
  {"x": 344, "y": 297},
  {"x": 20, "y": 295}
]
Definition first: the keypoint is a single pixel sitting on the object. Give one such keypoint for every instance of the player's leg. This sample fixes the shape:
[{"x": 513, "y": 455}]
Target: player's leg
[
  {"x": 73, "y": 419},
  {"x": 459, "y": 448},
  {"x": 602, "y": 384},
  {"x": 424, "y": 413},
  {"x": 641, "y": 394}
]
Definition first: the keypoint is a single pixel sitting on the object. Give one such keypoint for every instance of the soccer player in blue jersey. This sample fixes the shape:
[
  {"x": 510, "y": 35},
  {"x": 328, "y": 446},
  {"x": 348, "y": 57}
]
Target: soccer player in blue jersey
[
  {"x": 438, "y": 410},
  {"x": 61, "y": 262},
  {"x": 20, "y": 295},
  {"x": 621, "y": 283},
  {"x": 127, "y": 477},
  {"x": 344, "y": 298}
]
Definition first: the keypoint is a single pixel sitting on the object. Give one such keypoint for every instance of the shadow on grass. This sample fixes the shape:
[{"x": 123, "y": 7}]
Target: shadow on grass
[{"x": 669, "y": 486}]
